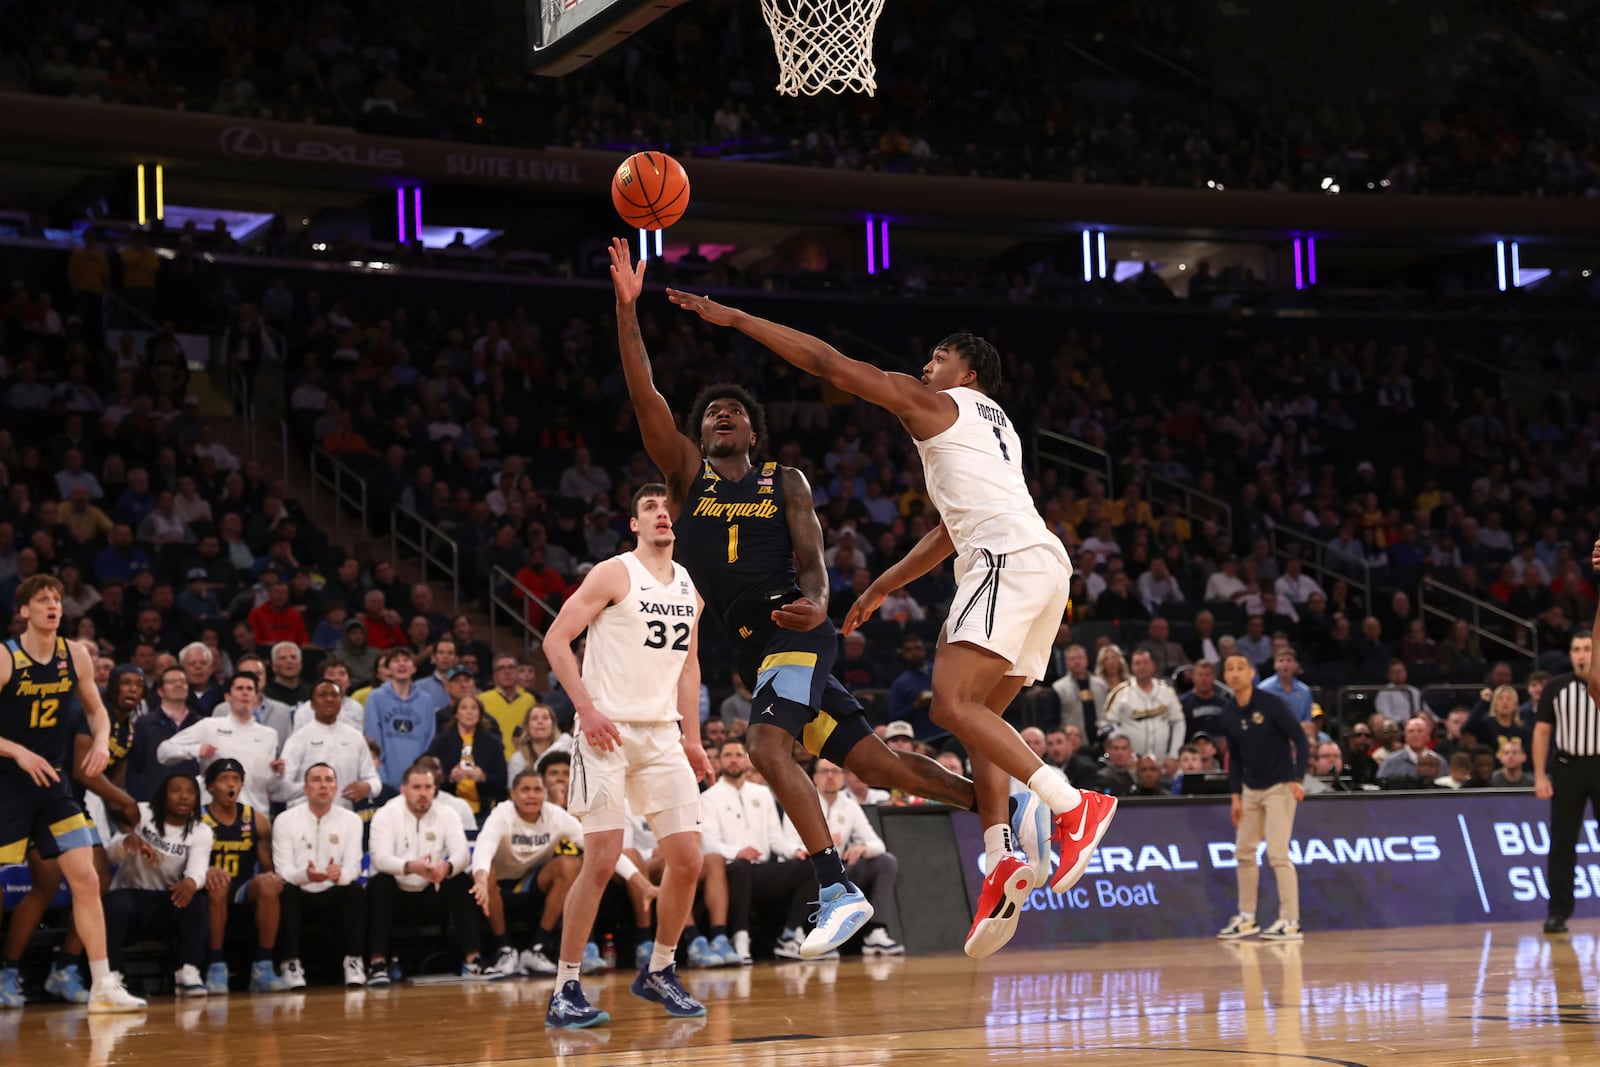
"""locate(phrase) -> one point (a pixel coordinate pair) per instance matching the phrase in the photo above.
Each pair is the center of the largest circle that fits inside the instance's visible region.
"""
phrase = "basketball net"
(823, 45)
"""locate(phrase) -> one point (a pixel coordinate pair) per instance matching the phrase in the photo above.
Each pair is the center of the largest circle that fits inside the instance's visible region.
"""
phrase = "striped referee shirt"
(1567, 706)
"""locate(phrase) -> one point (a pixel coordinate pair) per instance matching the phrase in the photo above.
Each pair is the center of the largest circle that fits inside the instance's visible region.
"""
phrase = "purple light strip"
(872, 255)
(1299, 278)
(1311, 261)
(400, 212)
(883, 243)
(416, 199)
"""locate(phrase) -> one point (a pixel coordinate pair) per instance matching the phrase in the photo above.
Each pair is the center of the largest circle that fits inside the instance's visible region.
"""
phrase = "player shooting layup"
(740, 530)
(1012, 586)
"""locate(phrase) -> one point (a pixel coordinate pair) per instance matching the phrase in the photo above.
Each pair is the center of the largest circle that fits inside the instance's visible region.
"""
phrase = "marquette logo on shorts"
(710, 507)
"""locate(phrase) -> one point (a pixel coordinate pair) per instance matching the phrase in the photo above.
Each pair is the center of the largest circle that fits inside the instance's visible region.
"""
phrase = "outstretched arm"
(670, 450)
(925, 555)
(923, 411)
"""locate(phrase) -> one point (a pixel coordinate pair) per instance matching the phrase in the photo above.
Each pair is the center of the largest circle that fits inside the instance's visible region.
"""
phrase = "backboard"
(563, 35)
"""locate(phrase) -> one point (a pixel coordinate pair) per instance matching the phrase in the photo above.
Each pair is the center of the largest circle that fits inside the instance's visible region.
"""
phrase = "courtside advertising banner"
(1167, 868)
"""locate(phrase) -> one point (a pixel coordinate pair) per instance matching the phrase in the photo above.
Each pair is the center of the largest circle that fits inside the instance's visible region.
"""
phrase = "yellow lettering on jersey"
(26, 688)
(711, 508)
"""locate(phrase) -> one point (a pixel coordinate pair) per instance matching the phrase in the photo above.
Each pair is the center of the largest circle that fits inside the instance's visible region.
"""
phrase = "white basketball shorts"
(647, 771)
(1011, 604)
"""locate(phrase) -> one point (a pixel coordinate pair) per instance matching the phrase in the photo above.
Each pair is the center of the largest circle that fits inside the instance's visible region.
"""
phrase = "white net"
(823, 45)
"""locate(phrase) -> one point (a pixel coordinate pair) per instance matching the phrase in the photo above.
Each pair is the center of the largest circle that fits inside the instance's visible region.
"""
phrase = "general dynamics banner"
(1166, 869)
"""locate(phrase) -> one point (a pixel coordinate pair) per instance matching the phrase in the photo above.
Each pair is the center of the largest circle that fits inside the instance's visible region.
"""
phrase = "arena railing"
(1197, 506)
(436, 550)
(1513, 635)
(1325, 563)
(348, 487)
(1073, 454)
(502, 583)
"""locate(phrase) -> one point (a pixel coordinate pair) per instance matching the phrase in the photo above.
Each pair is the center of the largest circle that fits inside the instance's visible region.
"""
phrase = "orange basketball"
(650, 190)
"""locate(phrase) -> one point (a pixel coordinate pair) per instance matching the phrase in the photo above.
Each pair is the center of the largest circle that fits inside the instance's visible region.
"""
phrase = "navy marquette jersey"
(36, 710)
(733, 539)
(233, 847)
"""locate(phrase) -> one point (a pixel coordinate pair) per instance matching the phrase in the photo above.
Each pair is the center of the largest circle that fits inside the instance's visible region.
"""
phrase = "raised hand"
(626, 279)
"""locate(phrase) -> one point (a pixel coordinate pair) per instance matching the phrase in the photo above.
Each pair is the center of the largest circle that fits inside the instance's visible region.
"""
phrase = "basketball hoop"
(823, 45)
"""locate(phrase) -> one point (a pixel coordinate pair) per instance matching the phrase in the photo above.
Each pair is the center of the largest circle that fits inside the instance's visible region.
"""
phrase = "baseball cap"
(455, 672)
(1198, 734)
(223, 766)
(900, 728)
(197, 574)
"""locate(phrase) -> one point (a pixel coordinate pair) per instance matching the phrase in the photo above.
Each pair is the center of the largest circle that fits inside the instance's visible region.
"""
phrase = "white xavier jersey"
(974, 475)
(637, 646)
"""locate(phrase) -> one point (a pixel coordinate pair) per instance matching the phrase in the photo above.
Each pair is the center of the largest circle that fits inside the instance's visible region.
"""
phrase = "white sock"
(99, 969)
(1248, 916)
(566, 972)
(997, 845)
(1053, 788)
(663, 956)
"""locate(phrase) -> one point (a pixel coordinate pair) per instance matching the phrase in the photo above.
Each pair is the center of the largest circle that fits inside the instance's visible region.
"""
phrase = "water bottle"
(609, 953)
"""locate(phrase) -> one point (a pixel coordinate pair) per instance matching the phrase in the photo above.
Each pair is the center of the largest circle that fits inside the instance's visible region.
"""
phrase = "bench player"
(1012, 579)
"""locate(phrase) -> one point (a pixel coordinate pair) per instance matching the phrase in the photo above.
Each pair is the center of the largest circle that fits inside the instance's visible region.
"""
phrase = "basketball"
(650, 190)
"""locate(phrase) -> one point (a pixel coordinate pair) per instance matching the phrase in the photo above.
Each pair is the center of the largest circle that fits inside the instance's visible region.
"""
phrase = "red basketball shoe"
(1077, 834)
(999, 906)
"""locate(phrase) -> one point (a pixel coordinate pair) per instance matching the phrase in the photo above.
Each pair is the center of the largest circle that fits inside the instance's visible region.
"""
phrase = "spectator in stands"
(1503, 724)
(1110, 668)
(742, 818)
(1203, 644)
(1416, 646)
(1147, 779)
(1483, 768)
(543, 582)
(583, 480)
(854, 669)
(1082, 695)
(1294, 587)
(1458, 774)
(1512, 775)
(316, 848)
(277, 715)
(1167, 654)
(1403, 762)
(912, 692)
(235, 735)
(420, 858)
(383, 625)
(325, 737)
(508, 704)
(400, 718)
(161, 867)
(1397, 700)
(555, 768)
(1204, 701)
(358, 656)
(1147, 713)
(1256, 644)
(1359, 761)
(471, 757)
(1120, 601)
(240, 871)
(1327, 763)
(276, 621)
(1158, 588)
(1116, 773)
(1286, 684)
(286, 686)
(537, 735)
(120, 558)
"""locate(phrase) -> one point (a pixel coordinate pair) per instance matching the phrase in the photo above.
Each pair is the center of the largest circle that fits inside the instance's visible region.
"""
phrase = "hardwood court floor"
(1434, 995)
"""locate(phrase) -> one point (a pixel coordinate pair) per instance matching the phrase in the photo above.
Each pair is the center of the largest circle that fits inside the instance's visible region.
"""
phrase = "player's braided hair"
(980, 356)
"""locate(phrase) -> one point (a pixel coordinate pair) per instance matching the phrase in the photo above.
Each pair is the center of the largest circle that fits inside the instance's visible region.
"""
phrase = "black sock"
(542, 938)
(264, 955)
(718, 931)
(502, 942)
(644, 933)
(11, 965)
(58, 960)
(213, 956)
(829, 868)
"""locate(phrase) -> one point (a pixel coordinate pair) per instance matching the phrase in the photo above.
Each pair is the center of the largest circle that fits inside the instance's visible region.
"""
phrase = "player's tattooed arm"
(675, 454)
(805, 532)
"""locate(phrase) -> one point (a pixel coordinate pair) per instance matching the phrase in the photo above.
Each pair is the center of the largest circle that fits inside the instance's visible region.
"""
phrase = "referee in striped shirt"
(1568, 712)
